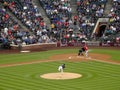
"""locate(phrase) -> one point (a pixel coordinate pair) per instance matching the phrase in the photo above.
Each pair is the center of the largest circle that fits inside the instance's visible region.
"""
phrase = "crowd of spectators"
(30, 16)
(63, 25)
(8, 28)
(60, 14)
(112, 32)
(88, 13)
(114, 16)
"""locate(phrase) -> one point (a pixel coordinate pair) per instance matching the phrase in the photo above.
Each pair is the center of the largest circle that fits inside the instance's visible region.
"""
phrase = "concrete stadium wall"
(43, 46)
(93, 44)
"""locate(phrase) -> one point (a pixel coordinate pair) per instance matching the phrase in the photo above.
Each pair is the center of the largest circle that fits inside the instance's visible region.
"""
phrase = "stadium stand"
(29, 15)
(112, 32)
(64, 26)
(88, 12)
(8, 28)
(59, 13)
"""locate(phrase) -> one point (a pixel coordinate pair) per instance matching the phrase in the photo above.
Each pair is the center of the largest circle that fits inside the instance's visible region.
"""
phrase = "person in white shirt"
(61, 68)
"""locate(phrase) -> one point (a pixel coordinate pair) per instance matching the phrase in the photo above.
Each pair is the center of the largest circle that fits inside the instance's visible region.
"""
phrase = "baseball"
(69, 58)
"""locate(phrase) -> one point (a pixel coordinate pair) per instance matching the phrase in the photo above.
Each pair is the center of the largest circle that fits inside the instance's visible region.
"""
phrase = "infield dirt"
(65, 57)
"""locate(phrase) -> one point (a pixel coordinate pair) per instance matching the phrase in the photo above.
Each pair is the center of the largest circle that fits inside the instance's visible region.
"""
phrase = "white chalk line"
(93, 59)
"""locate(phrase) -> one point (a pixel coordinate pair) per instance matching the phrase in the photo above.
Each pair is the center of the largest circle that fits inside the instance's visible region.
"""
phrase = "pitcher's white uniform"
(61, 67)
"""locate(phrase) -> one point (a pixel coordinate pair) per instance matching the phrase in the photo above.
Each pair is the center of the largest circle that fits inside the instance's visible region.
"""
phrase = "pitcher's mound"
(62, 76)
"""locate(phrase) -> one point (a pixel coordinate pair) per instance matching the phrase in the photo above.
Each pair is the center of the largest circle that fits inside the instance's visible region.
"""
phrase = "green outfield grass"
(96, 75)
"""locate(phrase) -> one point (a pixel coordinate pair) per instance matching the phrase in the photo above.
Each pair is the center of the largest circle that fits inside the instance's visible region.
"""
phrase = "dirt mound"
(61, 76)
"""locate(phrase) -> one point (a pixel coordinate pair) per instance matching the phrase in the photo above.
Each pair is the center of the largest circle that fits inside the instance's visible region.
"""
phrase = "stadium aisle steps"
(42, 11)
(108, 7)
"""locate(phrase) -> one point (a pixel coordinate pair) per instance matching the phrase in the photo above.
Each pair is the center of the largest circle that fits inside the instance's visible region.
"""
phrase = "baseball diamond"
(59, 44)
(25, 70)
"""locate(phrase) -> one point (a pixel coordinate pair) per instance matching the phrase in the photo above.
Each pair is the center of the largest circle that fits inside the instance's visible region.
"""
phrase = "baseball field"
(23, 71)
